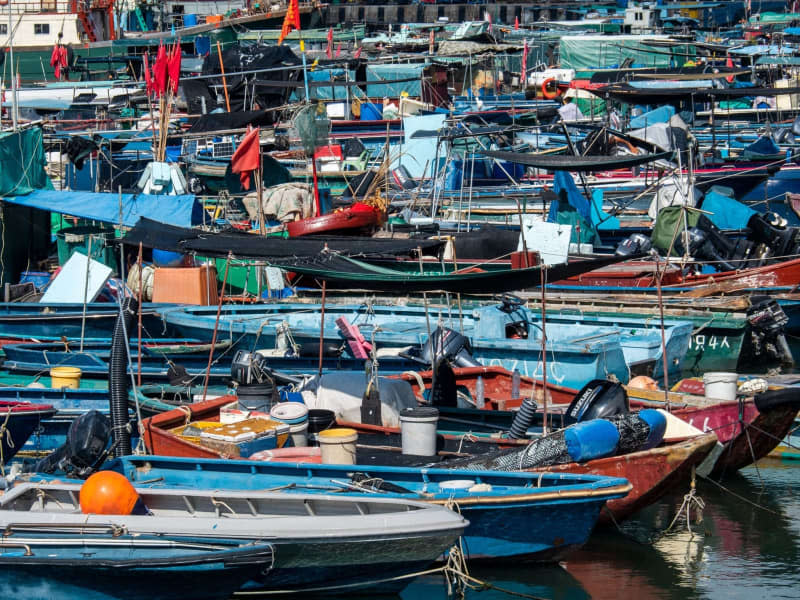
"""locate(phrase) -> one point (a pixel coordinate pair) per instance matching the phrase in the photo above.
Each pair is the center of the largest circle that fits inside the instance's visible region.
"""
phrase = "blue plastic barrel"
(189, 20)
(591, 439)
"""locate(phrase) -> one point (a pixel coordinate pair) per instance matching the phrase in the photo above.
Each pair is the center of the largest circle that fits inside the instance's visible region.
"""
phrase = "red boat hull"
(348, 220)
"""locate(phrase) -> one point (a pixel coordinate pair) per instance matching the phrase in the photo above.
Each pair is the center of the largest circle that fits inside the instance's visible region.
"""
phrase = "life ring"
(550, 94)
(3, 2)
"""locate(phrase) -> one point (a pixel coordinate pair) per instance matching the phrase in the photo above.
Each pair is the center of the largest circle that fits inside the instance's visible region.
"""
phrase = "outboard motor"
(767, 329)
(598, 399)
(638, 243)
(708, 243)
(249, 367)
(84, 451)
(446, 344)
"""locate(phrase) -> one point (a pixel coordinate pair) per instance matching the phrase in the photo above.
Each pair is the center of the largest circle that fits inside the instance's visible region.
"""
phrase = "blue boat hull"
(509, 521)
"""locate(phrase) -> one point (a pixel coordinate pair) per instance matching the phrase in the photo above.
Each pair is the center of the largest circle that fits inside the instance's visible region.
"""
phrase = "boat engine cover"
(598, 399)
(84, 450)
(449, 345)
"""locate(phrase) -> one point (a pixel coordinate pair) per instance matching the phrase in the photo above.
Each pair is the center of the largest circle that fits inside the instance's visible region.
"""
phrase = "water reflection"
(736, 550)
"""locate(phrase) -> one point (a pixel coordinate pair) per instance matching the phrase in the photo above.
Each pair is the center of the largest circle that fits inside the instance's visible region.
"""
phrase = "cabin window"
(3, 29)
(41, 28)
(49, 5)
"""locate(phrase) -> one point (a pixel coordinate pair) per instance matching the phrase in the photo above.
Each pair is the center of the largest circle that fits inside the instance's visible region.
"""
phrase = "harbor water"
(746, 546)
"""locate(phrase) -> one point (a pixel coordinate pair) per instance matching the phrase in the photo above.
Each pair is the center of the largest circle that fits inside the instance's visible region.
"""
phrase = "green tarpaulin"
(599, 51)
(22, 163)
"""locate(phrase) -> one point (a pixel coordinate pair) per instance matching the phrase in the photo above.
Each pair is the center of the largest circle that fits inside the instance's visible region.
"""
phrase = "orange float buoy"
(643, 382)
(108, 493)
(550, 89)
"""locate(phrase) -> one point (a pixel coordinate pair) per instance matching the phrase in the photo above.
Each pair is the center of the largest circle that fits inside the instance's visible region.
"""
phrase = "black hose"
(523, 419)
(118, 378)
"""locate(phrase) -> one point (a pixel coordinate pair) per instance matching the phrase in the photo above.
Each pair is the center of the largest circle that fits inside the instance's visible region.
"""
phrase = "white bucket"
(418, 430)
(720, 385)
(338, 446)
(299, 433)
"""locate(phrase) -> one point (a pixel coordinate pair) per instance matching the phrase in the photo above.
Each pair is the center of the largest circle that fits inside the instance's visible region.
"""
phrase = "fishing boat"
(266, 539)
(186, 363)
(651, 472)
(543, 518)
(507, 334)
(747, 429)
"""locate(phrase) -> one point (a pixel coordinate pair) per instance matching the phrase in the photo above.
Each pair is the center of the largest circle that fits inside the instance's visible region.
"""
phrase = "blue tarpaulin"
(183, 211)
(726, 213)
(659, 115)
(571, 208)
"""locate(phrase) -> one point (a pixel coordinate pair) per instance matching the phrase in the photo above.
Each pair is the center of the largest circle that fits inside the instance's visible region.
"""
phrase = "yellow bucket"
(338, 446)
(65, 377)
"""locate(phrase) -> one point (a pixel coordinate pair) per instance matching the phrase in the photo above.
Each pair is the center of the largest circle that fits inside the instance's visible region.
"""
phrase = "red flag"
(148, 76)
(516, 22)
(290, 21)
(358, 53)
(524, 70)
(160, 71)
(329, 49)
(338, 49)
(174, 68)
(58, 59)
(245, 159)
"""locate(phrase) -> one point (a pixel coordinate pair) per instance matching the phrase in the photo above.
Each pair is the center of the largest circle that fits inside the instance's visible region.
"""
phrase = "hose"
(523, 419)
(118, 378)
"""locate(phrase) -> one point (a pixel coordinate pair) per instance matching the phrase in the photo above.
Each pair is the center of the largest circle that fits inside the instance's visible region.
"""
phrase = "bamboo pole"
(224, 81)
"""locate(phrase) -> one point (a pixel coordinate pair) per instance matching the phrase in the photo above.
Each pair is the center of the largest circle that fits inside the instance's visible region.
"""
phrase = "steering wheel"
(509, 302)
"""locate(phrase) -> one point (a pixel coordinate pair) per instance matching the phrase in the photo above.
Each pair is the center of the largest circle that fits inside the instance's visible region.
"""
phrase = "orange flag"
(290, 21)
(245, 159)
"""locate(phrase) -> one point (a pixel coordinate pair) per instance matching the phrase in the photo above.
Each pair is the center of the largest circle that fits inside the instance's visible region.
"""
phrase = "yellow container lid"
(337, 432)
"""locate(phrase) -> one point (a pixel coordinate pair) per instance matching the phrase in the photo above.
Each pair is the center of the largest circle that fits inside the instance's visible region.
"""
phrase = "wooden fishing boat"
(189, 539)
(652, 473)
(747, 429)
(32, 321)
(168, 363)
(579, 348)
(544, 517)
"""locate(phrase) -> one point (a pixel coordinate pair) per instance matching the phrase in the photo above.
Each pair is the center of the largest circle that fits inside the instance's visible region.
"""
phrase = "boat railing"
(113, 529)
(38, 7)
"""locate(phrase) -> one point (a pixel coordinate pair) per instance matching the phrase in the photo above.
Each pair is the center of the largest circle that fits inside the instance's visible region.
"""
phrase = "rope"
(689, 500)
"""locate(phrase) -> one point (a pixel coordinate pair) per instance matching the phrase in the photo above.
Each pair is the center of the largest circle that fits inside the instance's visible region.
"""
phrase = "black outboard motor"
(449, 345)
(84, 451)
(708, 243)
(767, 329)
(638, 243)
(598, 399)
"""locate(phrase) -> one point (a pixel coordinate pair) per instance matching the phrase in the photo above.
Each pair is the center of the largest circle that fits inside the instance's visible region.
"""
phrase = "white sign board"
(70, 286)
(550, 240)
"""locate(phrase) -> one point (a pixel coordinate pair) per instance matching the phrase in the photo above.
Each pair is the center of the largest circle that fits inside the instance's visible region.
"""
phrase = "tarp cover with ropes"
(152, 234)
(349, 273)
(568, 162)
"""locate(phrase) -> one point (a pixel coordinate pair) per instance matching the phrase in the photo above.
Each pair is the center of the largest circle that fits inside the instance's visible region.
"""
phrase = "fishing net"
(552, 449)
(312, 126)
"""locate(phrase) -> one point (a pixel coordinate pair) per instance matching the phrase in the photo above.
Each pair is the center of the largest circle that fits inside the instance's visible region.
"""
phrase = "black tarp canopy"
(568, 162)
(152, 234)
(624, 92)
